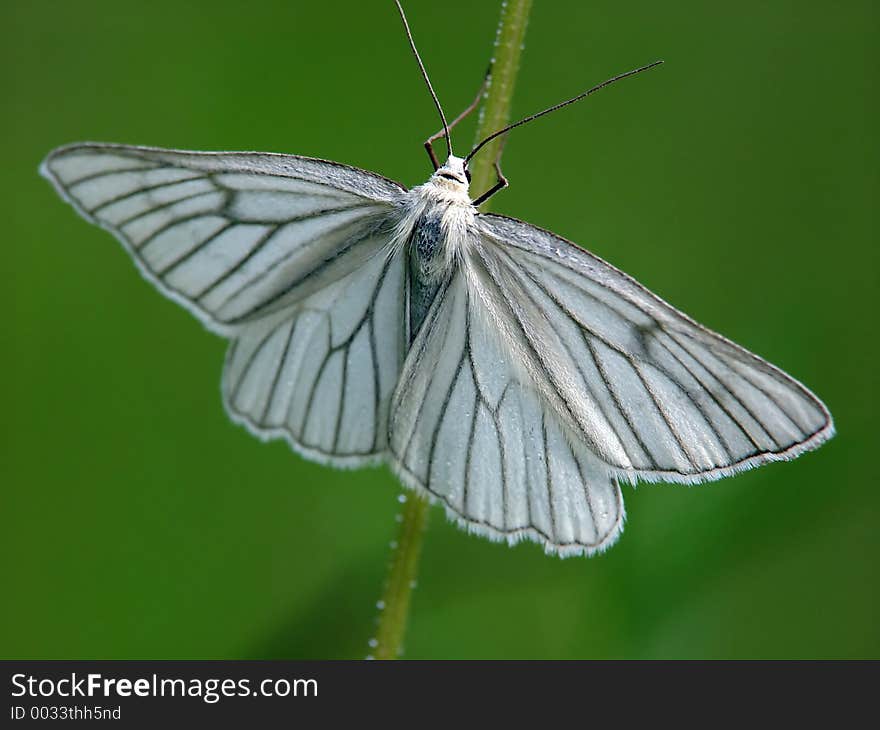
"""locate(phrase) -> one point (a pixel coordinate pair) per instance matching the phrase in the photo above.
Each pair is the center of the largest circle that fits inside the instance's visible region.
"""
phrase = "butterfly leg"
(429, 143)
(502, 181)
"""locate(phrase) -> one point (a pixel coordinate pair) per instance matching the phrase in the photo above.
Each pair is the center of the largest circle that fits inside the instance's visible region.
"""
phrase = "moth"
(497, 368)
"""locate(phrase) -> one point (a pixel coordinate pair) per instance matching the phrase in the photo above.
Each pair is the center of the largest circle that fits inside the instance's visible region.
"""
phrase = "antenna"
(553, 108)
(412, 44)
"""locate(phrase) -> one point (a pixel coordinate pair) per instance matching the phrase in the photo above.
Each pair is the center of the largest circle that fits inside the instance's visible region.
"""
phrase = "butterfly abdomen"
(425, 265)
(438, 229)
(426, 241)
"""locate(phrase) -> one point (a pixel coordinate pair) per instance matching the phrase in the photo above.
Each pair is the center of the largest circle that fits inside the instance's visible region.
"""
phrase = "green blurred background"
(739, 181)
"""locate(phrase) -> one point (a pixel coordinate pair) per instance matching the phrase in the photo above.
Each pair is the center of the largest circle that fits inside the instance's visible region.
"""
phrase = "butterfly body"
(437, 222)
(497, 368)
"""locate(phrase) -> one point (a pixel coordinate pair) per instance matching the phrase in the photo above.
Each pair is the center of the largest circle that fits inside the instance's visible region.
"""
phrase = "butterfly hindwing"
(322, 376)
(467, 429)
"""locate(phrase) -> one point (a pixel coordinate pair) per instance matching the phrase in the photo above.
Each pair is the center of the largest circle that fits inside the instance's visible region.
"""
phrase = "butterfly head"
(453, 174)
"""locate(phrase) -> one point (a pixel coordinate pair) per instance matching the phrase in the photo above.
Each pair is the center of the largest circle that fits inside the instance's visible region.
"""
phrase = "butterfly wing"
(656, 395)
(469, 430)
(230, 236)
(288, 256)
(322, 375)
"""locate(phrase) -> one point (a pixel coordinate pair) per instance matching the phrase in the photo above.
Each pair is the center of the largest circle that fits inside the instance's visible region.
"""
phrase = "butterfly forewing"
(656, 395)
(231, 236)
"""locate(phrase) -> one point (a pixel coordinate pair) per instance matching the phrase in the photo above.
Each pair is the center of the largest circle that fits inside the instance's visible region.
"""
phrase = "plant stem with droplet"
(394, 604)
(494, 114)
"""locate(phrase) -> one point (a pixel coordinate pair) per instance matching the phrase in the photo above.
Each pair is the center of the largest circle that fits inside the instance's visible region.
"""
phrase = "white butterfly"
(496, 367)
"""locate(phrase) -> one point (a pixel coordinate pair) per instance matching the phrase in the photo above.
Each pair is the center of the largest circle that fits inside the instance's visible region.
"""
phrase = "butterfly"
(496, 367)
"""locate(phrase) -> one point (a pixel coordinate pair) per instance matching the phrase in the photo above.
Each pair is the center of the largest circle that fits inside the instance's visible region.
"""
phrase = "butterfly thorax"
(437, 224)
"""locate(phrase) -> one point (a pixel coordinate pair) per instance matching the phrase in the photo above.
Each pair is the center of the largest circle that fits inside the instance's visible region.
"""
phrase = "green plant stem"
(404, 567)
(495, 112)
(394, 604)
